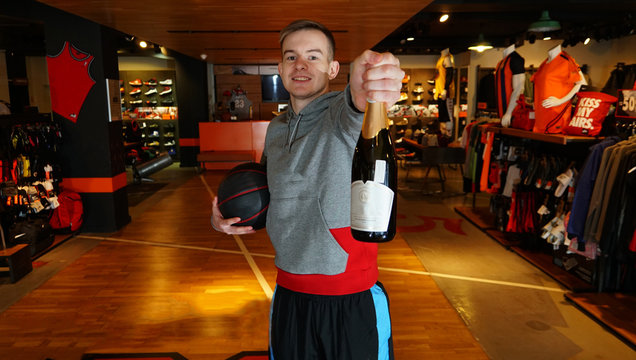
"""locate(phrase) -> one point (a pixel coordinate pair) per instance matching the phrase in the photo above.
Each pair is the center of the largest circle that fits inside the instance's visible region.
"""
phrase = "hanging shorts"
(307, 326)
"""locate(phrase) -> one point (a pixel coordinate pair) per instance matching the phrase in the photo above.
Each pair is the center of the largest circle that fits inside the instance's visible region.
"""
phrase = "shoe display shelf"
(160, 135)
(148, 94)
(149, 98)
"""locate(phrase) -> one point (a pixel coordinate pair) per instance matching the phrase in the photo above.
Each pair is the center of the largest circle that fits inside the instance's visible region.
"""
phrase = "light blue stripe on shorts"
(383, 321)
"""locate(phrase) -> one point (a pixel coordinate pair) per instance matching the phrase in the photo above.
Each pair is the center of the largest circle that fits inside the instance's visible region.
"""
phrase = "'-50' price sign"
(626, 106)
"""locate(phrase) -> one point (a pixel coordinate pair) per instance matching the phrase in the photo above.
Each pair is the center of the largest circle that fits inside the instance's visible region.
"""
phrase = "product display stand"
(615, 311)
(484, 220)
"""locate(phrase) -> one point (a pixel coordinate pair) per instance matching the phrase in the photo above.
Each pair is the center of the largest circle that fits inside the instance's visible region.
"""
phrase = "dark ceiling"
(504, 22)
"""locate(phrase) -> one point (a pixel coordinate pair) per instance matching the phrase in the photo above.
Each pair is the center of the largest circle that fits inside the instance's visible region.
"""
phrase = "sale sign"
(626, 106)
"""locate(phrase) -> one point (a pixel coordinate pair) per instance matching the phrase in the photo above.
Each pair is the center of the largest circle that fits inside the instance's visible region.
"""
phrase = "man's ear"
(280, 67)
(334, 68)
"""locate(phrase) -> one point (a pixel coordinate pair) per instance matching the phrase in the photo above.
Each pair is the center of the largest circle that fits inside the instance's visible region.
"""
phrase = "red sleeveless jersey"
(69, 80)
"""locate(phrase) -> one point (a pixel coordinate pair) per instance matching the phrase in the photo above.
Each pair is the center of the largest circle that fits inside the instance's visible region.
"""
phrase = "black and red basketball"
(244, 193)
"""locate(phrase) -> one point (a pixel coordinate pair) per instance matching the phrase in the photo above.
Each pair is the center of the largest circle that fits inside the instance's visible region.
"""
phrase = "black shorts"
(306, 326)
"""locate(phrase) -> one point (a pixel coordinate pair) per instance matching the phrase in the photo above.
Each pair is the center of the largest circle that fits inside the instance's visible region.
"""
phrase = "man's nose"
(300, 64)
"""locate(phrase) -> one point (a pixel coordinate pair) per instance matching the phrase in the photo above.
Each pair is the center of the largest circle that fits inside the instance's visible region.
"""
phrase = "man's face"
(306, 68)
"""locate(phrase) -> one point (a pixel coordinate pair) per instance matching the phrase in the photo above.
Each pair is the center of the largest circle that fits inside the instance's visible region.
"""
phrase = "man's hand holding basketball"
(225, 225)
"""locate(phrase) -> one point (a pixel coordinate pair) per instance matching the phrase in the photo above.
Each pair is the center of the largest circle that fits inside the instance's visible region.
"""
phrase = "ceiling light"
(143, 44)
(481, 45)
(547, 38)
(544, 24)
(443, 18)
(410, 38)
(203, 56)
(587, 41)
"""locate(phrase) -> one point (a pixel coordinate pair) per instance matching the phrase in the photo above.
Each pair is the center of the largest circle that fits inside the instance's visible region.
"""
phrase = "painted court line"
(251, 255)
(468, 278)
(248, 257)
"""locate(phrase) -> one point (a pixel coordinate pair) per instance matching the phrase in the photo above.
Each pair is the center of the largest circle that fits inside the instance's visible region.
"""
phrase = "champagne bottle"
(374, 179)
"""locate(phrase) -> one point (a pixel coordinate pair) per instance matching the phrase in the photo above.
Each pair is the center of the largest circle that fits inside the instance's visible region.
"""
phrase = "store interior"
(488, 208)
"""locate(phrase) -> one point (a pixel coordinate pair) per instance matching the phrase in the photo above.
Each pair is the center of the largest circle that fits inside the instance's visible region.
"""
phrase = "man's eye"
(313, 58)
(291, 58)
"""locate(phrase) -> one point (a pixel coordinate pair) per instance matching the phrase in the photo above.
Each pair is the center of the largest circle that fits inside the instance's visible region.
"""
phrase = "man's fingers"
(385, 71)
(373, 58)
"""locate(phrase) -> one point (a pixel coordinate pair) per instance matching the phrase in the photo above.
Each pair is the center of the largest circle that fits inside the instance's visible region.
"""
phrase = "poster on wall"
(626, 106)
(114, 100)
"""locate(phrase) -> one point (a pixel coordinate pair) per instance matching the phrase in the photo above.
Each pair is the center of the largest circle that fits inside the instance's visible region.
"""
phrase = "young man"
(328, 303)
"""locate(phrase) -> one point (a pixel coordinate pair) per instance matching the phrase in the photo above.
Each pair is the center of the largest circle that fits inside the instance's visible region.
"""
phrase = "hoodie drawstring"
(292, 138)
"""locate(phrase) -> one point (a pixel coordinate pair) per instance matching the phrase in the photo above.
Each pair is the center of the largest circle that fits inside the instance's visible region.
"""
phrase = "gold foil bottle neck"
(375, 119)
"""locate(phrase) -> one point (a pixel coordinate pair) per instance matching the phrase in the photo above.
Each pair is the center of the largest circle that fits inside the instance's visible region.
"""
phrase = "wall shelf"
(549, 138)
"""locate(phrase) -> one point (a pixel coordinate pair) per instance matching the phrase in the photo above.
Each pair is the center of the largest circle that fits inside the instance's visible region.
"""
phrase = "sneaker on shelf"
(172, 151)
(135, 92)
(169, 101)
(169, 143)
(166, 82)
(152, 103)
(151, 91)
(136, 102)
(167, 90)
(143, 125)
(154, 134)
(154, 126)
(154, 143)
(151, 82)
(136, 82)
(122, 90)
(168, 135)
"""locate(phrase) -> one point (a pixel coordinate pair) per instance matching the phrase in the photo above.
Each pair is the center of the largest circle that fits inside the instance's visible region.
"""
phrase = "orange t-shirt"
(555, 78)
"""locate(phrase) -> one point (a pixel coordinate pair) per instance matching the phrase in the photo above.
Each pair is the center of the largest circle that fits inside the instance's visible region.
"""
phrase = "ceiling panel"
(244, 32)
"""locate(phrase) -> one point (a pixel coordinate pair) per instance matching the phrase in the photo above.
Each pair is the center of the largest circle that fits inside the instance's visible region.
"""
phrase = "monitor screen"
(272, 89)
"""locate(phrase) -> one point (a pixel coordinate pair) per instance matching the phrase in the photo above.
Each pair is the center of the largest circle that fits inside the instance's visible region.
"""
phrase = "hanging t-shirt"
(69, 80)
(507, 67)
(554, 78)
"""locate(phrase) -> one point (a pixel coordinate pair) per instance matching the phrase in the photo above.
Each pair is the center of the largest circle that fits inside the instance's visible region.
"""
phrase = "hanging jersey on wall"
(554, 78)
(507, 67)
(69, 80)
(240, 105)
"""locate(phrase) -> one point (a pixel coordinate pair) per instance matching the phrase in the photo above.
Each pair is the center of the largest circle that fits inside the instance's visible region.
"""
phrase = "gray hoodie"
(308, 158)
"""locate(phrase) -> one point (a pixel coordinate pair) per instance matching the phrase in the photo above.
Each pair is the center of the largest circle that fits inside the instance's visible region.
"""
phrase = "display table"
(224, 145)
(433, 157)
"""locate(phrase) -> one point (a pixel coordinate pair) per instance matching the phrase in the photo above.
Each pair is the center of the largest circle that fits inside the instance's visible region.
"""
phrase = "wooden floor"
(168, 283)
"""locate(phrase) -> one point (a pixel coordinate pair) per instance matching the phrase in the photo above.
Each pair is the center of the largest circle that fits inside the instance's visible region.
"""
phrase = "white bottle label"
(371, 204)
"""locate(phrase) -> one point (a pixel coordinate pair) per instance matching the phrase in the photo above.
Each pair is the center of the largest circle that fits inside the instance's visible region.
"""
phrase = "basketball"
(244, 193)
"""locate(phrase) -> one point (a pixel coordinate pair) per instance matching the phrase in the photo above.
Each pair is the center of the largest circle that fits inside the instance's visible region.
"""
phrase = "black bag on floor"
(37, 233)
